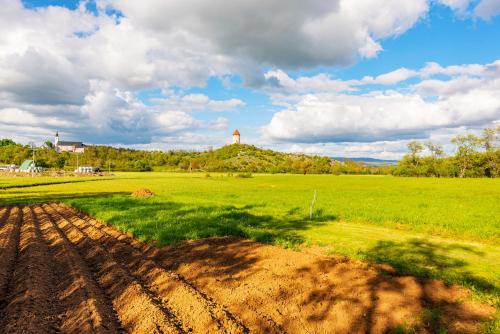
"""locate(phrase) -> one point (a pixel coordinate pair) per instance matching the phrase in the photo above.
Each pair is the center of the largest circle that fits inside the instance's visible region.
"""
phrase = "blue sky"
(335, 78)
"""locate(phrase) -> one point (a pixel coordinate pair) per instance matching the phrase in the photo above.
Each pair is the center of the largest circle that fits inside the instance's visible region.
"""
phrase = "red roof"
(236, 133)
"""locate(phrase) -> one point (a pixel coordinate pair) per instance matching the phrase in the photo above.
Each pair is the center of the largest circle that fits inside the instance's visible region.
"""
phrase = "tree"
(491, 138)
(60, 162)
(490, 141)
(435, 149)
(48, 144)
(6, 142)
(415, 148)
(437, 152)
(466, 147)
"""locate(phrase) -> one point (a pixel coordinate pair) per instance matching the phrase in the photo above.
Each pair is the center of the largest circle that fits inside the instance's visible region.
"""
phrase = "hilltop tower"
(236, 137)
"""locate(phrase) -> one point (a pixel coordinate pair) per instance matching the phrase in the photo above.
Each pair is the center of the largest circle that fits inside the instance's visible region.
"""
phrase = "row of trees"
(103, 157)
(230, 158)
(475, 156)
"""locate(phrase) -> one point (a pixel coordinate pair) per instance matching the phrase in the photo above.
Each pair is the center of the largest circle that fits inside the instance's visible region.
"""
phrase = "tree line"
(475, 156)
(230, 158)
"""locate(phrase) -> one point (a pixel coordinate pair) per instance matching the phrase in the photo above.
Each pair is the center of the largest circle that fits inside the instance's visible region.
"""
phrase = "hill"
(241, 158)
(369, 161)
(248, 158)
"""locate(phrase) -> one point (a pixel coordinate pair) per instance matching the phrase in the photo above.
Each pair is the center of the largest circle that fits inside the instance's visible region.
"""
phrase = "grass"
(442, 228)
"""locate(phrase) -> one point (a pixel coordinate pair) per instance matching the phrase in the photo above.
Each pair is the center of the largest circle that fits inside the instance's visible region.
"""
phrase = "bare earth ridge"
(63, 271)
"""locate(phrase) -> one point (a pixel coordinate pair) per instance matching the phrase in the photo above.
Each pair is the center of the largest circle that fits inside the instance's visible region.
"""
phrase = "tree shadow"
(428, 259)
(48, 183)
(23, 198)
(364, 300)
(305, 293)
(168, 222)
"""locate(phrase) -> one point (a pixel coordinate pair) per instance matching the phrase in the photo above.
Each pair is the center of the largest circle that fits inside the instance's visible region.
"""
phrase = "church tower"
(56, 140)
(236, 137)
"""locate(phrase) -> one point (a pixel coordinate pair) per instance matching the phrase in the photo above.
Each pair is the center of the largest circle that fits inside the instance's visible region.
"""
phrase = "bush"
(244, 175)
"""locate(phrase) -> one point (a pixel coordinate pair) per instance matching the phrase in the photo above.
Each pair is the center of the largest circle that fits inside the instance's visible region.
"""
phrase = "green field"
(430, 227)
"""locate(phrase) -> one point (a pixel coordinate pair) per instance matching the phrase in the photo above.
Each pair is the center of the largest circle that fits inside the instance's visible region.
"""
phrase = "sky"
(338, 78)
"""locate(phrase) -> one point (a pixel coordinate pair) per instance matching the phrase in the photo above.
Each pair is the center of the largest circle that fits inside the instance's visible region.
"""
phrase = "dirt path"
(64, 272)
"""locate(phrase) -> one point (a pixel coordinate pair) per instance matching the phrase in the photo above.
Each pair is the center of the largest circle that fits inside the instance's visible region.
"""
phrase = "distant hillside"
(248, 158)
(475, 157)
(229, 158)
(369, 161)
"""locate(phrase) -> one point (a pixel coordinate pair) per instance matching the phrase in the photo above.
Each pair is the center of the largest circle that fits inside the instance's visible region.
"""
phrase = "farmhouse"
(29, 166)
(8, 168)
(68, 146)
(86, 170)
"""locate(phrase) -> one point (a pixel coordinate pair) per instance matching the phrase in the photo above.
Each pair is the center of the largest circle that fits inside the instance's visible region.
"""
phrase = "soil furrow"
(85, 305)
(146, 251)
(9, 239)
(62, 271)
(180, 296)
(32, 307)
(266, 322)
(137, 310)
(4, 215)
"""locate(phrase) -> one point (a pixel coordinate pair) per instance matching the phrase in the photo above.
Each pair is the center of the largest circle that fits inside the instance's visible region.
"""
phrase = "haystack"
(142, 192)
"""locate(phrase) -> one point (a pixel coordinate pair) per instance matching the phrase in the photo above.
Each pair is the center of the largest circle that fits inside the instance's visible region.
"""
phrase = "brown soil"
(65, 272)
(142, 192)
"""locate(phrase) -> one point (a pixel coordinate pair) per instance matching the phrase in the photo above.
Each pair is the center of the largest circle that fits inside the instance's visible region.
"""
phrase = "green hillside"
(229, 158)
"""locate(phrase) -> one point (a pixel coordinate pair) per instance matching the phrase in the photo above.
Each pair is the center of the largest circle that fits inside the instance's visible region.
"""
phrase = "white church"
(68, 146)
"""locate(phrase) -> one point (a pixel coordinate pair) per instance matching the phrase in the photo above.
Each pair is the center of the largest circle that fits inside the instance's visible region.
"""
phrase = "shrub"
(244, 175)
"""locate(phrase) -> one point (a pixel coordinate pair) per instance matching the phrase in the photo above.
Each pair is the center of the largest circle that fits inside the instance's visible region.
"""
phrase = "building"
(85, 170)
(8, 168)
(68, 146)
(29, 166)
(236, 137)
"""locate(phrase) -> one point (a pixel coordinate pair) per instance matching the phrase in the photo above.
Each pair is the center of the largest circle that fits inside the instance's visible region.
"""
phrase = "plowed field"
(64, 272)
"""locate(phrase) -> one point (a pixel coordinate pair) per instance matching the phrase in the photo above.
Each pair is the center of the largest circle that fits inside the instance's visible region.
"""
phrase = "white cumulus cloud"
(431, 104)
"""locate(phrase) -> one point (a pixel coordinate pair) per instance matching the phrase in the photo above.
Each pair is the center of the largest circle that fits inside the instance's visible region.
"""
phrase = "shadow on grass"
(28, 198)
(427, 259)
(48, 183)
(169, 222)
(326, 294)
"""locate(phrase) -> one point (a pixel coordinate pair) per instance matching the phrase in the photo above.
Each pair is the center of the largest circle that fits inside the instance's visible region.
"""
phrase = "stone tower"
(236, 137)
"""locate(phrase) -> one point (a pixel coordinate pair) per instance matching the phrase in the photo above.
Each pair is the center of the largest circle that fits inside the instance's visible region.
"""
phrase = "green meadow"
(429, 227)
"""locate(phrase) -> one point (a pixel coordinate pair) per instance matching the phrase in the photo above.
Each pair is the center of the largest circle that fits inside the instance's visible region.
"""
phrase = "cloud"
(278, 80)
(173, 121)
(486, 9)
(64, 49)
(38, 77)
(298, 34)
(197, 102)
(417, 110)
(110, 115)
(220, 123)
(441, 88)
(391, 78)
(457, 5)
(80, 71)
